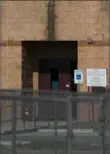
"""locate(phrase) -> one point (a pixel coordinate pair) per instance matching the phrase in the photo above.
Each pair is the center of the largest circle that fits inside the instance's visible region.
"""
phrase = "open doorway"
(54, 62)
(73, 66)
(38, 55)
(57, 73)
(54, 78)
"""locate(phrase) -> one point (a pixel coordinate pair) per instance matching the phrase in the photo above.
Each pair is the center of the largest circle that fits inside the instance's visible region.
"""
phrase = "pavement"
(20, 125)
(50, 152)
(82, 138)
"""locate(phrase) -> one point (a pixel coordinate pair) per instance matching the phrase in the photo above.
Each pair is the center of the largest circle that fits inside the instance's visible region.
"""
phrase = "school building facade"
(46, 40)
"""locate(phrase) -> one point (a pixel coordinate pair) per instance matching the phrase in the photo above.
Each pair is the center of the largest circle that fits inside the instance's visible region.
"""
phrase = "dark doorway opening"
(98, 90)
(73, 66)
(54, 78)
(54, 75)
(54, 61)
(36, 52)
(57, 71)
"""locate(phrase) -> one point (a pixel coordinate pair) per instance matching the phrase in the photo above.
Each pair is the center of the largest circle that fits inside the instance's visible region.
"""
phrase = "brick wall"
(23, 20)
(75, 20)
(10, 67)
(79, 20)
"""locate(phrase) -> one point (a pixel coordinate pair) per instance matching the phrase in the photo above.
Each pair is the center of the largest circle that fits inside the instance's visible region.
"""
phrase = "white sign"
(78, 76)
(97, 77)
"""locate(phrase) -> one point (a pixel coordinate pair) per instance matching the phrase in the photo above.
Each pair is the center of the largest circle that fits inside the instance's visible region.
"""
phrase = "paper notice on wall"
(96, 77)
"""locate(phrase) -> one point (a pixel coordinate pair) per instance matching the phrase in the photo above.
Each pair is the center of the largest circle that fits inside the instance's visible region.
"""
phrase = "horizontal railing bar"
(53, 92)
(29, 98)
(47, 98)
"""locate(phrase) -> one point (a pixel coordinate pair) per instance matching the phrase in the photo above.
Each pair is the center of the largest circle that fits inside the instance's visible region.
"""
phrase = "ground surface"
(43, 141)
(51, 152)
(46, 143)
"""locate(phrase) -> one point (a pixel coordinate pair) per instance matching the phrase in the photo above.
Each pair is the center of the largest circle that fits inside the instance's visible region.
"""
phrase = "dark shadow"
(42, 56)
(99, 90)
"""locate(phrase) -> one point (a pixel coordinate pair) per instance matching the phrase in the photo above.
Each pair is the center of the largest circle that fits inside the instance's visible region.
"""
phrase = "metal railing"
(52, 122)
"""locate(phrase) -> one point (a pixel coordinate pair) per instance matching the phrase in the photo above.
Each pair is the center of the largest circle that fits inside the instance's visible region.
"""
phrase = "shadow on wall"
(99, 89)
(105, 5)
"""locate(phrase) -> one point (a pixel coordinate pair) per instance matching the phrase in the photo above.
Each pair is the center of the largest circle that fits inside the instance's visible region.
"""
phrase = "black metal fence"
(53, 122)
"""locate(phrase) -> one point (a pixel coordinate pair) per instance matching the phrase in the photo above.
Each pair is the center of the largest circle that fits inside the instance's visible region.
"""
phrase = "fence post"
(102, 124)
(13, 127)
(0, 123)
(55, 125)
(69, 131)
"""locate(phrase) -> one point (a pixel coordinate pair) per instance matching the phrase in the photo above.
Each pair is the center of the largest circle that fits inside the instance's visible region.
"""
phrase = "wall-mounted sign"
(96, 77)
(78, 76)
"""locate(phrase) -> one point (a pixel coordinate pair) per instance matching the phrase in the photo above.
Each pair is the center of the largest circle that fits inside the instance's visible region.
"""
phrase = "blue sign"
(78, 76)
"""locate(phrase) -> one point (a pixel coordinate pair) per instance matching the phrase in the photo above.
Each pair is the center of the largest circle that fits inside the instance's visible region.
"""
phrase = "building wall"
(75, 20)
(20, 20)
(10, 67)
(23, 20)
(80, 20)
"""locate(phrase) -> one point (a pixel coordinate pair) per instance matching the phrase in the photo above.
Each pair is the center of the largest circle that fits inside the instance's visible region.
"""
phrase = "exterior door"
(44, 81)
(64, 75)
(44, 85)
(64, 79)
(48, 80)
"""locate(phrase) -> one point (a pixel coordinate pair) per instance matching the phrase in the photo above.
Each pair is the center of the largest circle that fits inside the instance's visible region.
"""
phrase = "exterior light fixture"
(89, 41)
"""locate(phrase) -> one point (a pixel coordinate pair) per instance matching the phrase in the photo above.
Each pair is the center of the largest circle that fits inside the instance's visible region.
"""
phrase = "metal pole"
(69, 132)
(78, 107)
(109, 74)
(0, 69)
(102, 125)
(34, 108)
(1, 41)
(55, 125)
(14, 127)
(0, 122)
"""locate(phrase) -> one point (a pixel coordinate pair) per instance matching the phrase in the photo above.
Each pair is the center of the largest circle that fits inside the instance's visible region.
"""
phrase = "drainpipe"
(51, 20)
(52, 37)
